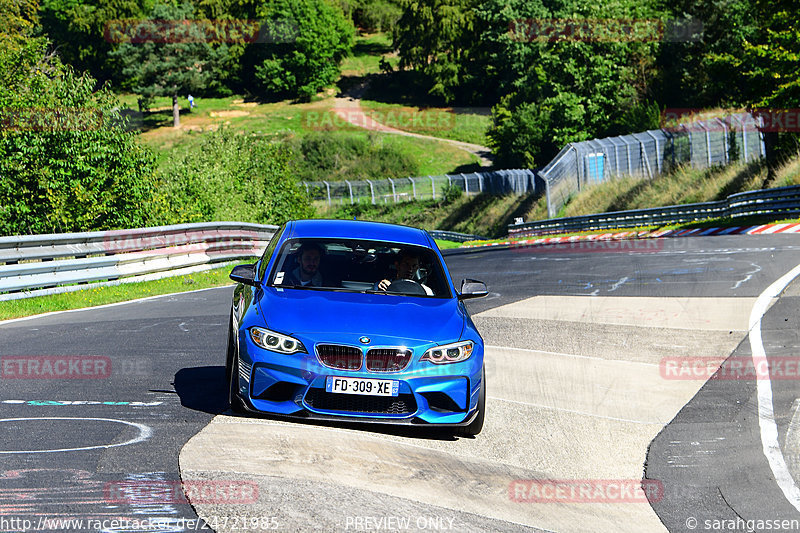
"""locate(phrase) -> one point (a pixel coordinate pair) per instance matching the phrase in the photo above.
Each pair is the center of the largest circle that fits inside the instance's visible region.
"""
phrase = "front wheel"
(475, 427)
(232, 373)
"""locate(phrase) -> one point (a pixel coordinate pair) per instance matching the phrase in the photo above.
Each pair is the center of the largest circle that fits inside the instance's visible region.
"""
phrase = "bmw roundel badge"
(364, 340)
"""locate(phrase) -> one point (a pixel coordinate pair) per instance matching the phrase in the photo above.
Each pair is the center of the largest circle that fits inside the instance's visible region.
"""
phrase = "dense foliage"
(67, 162)
(343, 155)
(171, 59)
(232, 177)
(588, 79)
(307, 39)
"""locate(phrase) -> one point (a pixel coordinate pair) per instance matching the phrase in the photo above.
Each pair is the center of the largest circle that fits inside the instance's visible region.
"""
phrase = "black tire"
(475, 427)
(232, 373)
(231, 349)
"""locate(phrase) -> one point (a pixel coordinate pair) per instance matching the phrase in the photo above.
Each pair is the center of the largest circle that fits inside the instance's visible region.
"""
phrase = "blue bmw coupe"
(355, 321)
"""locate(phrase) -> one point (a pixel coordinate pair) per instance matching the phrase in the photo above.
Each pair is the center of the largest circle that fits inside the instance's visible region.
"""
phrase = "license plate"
(368, 387)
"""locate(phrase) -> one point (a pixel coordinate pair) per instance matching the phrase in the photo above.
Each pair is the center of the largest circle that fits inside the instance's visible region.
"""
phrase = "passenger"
(406, 265)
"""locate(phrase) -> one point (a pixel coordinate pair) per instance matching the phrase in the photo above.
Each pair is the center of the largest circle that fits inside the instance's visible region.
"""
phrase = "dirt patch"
(245, 104)
(224, 114)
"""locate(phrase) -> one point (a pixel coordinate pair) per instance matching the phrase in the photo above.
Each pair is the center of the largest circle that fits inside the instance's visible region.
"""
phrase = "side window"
(265, 257)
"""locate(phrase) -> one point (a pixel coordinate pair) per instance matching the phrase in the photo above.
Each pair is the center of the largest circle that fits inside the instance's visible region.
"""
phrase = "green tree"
(563, 89)
(78, 31)
(17, 19)
(168, 59)
(436, 38)
(689, 76)
(306, 41)
(767, 63)
(67, 162)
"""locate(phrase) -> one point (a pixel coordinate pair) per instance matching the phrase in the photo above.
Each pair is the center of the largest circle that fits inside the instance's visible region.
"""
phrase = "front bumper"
(294, 385)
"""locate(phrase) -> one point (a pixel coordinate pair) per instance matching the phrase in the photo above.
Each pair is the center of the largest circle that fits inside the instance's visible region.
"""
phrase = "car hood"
(294, 311)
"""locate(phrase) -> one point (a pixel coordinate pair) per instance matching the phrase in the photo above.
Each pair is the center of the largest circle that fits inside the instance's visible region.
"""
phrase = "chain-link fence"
(700, 144)
(393, 190)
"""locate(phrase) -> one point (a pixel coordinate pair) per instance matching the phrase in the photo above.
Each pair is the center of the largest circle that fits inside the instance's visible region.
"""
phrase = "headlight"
(276, 342)
(449, 353)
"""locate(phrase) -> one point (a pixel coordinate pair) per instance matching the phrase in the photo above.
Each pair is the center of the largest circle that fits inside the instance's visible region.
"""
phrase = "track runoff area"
(649, 389)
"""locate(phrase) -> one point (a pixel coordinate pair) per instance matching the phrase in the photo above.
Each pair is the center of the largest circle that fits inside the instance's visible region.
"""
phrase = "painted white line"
(145, 432)
(9, 321)
(583, 413)
(766, 413)
(592, 357)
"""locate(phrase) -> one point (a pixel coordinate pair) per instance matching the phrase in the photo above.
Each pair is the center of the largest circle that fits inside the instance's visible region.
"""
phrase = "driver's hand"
(384, 284)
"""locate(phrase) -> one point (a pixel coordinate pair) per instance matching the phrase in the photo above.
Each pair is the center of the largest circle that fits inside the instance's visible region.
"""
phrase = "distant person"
(191, 101)
(406, 265)
(309, 256)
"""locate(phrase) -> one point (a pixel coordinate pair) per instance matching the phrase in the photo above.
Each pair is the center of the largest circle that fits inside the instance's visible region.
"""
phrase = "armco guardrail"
(33, 265)
(453, 236)
(778, 201)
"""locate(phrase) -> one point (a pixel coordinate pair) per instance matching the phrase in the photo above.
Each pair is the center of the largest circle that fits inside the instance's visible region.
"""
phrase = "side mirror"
(472, 288)
(244, 274)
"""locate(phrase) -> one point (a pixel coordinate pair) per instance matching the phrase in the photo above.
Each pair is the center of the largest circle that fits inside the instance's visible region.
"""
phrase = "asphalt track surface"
(575, 336)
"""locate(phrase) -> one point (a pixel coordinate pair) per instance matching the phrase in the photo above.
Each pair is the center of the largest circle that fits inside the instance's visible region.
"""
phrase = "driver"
(406, 265)
(307, 273)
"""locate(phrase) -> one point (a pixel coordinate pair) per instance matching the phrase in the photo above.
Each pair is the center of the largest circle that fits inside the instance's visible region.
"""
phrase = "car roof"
(356, 229)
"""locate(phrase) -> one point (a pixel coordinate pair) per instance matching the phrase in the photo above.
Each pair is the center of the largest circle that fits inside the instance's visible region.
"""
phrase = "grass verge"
(93, 296)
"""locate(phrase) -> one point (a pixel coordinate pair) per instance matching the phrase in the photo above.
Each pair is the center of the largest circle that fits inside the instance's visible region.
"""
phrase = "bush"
(232, 177)
(67, 162)
(531, 134)
(343, 155)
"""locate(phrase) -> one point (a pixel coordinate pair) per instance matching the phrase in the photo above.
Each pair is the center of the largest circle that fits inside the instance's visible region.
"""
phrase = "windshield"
(360, 266)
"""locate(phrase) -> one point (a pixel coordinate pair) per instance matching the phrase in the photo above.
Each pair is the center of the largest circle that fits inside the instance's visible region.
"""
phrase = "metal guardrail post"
(744, 139)
(350, 188)
(691, 145)
(708, 142)
(726, 148)
(371, 191)
(658, 152)
(643, 156)
(433, 187)
(466, 184)
(328, 188)
(413, 187)
(394, 192)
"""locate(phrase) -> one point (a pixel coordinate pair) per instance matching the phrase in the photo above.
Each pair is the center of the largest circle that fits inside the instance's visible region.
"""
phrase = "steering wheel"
(406, 286)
